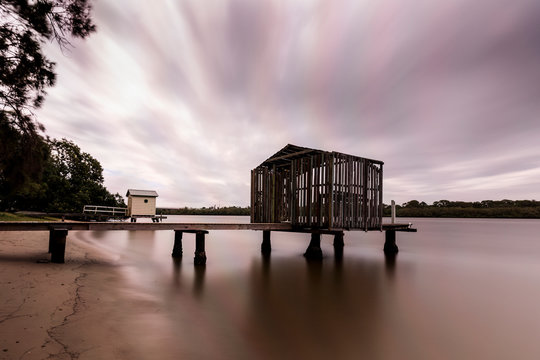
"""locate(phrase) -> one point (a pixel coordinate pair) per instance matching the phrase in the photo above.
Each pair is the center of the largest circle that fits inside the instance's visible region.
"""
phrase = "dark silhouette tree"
(25, 72)
(69, 179)
(23, 158)
(25, 75)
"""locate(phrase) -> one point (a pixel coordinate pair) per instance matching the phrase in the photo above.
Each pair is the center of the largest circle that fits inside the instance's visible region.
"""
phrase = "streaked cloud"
(186, 97)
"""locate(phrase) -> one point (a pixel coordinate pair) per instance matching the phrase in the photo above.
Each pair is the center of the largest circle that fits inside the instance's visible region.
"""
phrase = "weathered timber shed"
(141, 202)
(318, 189)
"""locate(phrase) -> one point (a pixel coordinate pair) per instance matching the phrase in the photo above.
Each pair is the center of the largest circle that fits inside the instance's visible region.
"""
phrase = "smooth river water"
(458, 289)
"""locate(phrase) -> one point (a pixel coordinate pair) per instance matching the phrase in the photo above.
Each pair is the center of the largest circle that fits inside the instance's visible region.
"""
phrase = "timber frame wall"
(318, 189)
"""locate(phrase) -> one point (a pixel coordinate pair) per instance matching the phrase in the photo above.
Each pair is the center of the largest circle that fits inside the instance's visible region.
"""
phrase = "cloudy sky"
(186, 97)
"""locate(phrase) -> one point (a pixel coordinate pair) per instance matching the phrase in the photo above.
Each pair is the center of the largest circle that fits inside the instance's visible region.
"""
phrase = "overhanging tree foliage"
(25, 75)
(25, 72)
(22, 160)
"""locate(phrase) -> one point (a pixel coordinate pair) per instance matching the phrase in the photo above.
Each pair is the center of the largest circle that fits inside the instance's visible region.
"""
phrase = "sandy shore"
(76, 310)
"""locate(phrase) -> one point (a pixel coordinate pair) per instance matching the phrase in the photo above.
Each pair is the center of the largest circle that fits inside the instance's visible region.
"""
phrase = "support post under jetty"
(314, 252)
(57, 245)
(338, 245)
(58, 232)
(390, 246)
(177, 247)
(200, 252)
(266, 246)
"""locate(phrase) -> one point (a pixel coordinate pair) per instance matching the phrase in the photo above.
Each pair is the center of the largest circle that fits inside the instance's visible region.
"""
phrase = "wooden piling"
(200, 252)
(314, 252)
(338, 245)
(338, 240)
(50, 241)
(57, 244)
(390, 246)
(177, 247)
(266, 246)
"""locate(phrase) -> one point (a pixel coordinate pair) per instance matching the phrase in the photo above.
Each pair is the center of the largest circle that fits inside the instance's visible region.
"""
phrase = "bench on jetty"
(58, 232)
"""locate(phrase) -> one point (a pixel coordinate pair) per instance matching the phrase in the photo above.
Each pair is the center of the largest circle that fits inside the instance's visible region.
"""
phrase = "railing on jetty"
(104, 210)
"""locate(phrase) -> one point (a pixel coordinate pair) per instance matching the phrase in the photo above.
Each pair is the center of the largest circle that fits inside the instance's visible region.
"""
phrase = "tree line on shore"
(414, 208)
(212, 210)
(462, 209)
(55, 176)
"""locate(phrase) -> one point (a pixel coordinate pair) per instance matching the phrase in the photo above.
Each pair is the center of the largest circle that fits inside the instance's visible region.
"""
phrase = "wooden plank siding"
(318, 189)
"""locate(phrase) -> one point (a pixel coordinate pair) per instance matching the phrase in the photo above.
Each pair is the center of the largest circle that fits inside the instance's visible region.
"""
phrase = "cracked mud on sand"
(74, 310)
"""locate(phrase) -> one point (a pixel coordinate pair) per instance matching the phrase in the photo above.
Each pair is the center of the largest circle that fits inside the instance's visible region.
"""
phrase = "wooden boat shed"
(318, 189)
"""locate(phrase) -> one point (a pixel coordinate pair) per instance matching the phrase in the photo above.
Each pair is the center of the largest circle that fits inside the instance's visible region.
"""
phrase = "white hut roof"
(146, 193)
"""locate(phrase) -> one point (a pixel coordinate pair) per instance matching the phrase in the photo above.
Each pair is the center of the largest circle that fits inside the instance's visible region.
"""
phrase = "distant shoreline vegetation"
(523, 209)
(213, 210)
(519, 209)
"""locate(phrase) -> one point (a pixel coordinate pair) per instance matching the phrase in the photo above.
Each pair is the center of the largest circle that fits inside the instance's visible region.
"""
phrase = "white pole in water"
(393, 211)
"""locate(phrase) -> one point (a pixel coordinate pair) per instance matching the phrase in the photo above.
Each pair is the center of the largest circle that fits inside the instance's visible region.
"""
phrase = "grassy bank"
(6, 216)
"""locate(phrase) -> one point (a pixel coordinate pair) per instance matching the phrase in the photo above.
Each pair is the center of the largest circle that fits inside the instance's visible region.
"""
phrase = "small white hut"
(141, 203)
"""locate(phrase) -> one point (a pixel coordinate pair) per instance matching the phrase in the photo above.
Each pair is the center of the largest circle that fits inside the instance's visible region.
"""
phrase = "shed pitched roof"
(291, 152)
(147, 193)
(288, 153)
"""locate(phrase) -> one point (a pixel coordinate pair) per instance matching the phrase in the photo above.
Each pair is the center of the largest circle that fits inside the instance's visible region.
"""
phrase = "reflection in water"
(460, 290)
(197, 276)
(147, 236)
(390, 262)
(265, 272)
(306, 313)
(198, 281)
(314, 270)
(338, 253)
(100, 234)
(177, 267)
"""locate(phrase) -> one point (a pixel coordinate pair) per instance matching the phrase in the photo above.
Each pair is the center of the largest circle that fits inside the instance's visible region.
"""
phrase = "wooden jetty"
(58, 232)
(297, 189)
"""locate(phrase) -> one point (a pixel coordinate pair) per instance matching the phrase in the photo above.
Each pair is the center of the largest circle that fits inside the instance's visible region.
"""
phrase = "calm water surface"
(459, 289)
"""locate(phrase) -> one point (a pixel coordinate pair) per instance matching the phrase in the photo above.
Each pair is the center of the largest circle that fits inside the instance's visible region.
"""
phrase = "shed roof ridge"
(291, 151)
(284, 151)
(138, 192)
